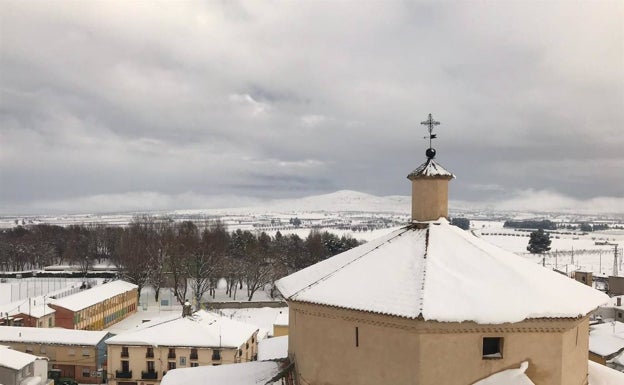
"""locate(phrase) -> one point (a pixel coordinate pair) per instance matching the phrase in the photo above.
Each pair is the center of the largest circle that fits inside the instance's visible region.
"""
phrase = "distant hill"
(339, 201)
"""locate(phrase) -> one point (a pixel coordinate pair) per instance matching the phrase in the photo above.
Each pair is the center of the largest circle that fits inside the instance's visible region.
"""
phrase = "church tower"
(430, 184)
(431, 304)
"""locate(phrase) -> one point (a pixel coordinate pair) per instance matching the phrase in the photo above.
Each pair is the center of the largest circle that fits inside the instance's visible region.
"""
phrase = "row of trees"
(162, 253)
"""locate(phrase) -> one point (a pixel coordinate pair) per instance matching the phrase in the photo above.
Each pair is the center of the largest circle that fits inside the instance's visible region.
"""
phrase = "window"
(619, 315)
(86, 372)
(194, 364)
(71, 352)
(193, 354)
(182, 361)
(149, 353)
(171, 353)
(42, 349)
(150, 366)
(492, 347)
(171, 365)
(357, 336)
(124, 351)
(29, 349)
(216, 355)
(86, 353)
(49, 322)
(125, 366)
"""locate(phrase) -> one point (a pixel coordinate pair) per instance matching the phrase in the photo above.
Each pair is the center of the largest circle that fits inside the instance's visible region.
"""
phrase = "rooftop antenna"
(430, 123)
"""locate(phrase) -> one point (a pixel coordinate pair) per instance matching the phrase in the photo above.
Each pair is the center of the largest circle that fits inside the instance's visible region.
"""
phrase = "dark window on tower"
(492, 347)
(357, 336)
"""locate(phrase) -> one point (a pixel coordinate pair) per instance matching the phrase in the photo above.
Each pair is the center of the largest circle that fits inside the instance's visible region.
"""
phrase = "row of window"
(216, 353)
(105, 306)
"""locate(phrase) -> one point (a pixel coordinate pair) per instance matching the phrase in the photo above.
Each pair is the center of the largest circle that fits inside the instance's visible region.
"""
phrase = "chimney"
(430, 184)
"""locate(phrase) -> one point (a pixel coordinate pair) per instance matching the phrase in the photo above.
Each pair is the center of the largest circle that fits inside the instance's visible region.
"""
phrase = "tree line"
(187, 257)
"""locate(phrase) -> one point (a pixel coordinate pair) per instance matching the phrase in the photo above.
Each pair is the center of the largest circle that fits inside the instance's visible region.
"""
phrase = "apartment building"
(78, 354)
(145, 355)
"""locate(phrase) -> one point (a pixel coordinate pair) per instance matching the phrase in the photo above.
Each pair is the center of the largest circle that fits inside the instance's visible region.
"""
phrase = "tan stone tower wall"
(429, 198)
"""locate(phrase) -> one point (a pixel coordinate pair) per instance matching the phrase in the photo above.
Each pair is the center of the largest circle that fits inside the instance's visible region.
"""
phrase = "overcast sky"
(142, 105)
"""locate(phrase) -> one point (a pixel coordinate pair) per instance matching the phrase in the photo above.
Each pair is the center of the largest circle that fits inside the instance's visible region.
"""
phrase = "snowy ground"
(569, 252)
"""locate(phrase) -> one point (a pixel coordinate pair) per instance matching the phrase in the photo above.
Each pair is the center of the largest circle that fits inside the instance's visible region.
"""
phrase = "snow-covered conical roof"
(439, 272)
(431, 169)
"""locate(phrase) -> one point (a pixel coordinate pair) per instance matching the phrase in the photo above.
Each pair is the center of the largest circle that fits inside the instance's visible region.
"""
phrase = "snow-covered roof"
(598, 375)
(602, 375)
(281, 319)
(607, 338)
(430, 168)
(273, 348)
(36, 309)
(508, 377)
(439, 272)
(249, 373)
(97, 294)
(56, 336)
(202, 329)
(15, 360)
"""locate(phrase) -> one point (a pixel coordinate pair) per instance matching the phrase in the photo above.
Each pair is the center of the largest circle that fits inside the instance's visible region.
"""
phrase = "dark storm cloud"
(164, 105)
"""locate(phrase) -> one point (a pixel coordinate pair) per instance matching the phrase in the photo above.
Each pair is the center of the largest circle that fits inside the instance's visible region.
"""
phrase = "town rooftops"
(97, 294)
(606, 339)
(15, 360)
(202, 329)
(438, 272)
(53, 336)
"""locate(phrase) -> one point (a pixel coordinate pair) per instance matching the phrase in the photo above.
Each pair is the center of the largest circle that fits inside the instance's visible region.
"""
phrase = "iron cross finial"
(430, 123)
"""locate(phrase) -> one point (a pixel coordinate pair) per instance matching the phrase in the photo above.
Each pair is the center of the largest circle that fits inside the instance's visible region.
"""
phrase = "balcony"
(124, 354)
(193, 356)
(149, 354)
(149, 375)
(171, 355)
(123, 374)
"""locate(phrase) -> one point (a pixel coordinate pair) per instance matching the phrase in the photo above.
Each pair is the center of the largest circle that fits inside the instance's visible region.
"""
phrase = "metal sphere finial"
(431, 153)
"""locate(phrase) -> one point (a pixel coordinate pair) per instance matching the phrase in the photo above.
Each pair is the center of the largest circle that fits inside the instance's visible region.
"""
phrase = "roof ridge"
(405, 229)
(423, 274)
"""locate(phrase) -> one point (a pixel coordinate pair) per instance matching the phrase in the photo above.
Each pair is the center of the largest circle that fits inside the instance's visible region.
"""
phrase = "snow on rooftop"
(282, 318)
(607, 338)
(273, 348)
(431, 169)
(602, 375)
(440, 273)
(36, 308)
(56, 336)
(249, 373)
(97, 294)
(598, 375)
(508, 377)
(202, 329)
(15, 360)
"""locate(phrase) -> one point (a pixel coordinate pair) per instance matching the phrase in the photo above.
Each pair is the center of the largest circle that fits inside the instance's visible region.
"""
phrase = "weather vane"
(430, 123)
